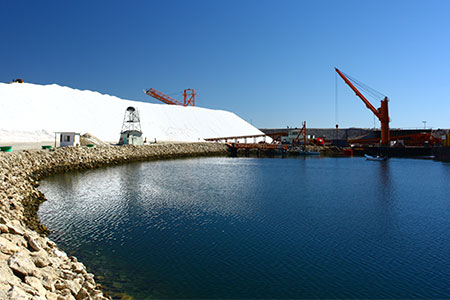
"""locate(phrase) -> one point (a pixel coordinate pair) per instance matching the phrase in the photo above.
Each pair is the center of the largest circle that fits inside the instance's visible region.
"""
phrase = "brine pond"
(258, 228)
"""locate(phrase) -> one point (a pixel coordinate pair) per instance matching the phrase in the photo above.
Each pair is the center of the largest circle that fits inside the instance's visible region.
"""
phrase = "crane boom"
(189, 97)
(358, 93)
(381, 113)
(162, 97)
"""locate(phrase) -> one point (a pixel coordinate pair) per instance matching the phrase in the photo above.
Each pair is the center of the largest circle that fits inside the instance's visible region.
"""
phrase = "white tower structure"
(131, 133)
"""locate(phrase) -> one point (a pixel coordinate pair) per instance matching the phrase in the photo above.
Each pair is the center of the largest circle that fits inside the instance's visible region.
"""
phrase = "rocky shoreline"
(31, 265)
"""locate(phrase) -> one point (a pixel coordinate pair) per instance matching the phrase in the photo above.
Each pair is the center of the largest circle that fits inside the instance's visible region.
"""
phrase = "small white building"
(131, 137)
(68, 139)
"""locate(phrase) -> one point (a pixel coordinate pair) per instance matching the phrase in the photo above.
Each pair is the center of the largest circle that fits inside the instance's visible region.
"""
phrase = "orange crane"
(381, 113)
(189, 97)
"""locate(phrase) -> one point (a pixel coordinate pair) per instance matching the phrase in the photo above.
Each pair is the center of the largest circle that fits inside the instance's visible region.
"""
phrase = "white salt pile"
(32, 113)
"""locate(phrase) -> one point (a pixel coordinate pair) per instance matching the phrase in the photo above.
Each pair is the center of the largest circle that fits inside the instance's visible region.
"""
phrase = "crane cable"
(336, 99)
(336, 114)
(174, 94)
(181, 93)
(367, 89)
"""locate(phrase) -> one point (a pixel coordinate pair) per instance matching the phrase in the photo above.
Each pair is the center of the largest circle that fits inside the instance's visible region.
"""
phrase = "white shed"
(68, 139)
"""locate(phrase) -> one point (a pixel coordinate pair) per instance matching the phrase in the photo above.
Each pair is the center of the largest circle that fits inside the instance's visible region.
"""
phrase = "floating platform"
(256, 149)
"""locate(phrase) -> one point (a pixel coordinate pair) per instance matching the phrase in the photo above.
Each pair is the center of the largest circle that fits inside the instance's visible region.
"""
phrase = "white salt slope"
(32, 112)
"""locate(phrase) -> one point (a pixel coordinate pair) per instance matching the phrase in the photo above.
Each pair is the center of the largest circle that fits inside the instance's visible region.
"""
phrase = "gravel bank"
(31, 265)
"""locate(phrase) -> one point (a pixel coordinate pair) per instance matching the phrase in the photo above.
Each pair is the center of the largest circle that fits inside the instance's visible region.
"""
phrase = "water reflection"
(178, 188)
(259, 228)
(385, 182)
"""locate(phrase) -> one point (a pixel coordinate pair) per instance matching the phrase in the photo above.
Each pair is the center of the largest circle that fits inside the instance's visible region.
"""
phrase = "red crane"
(381, 113)
(189, 97)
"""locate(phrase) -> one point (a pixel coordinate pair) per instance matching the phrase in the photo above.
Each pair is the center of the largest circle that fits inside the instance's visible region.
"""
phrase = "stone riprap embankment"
(31, 265)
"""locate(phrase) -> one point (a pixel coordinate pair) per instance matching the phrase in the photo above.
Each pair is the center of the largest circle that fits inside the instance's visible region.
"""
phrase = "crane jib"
(381, 113)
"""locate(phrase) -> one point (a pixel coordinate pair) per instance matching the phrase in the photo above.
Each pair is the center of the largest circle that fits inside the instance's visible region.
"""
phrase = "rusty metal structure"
(189, 97)
(236, 138)
(303, 133)
(233, 142)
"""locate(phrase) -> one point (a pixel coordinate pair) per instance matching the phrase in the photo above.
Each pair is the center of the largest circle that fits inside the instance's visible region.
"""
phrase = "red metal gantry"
(189, 97)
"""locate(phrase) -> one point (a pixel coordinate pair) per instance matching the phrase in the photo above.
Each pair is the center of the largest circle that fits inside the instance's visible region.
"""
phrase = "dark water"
(259, 228)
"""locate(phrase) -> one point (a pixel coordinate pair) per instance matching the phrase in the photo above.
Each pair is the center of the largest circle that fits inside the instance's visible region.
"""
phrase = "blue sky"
(270, 62)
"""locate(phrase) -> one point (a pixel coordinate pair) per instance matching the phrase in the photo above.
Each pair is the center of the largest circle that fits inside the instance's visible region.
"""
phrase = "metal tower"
(131, 121)
(189, 97)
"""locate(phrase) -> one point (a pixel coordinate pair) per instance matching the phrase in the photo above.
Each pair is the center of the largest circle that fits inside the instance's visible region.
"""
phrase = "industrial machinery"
(303, 133)
(381, 113)
(398, 138)
(306, 140)
(189, 97)
(131, 133)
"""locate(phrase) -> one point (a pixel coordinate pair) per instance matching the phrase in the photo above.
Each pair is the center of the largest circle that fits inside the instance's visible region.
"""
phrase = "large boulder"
(21, 263)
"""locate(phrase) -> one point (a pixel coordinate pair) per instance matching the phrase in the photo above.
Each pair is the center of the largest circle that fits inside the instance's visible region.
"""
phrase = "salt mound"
(32, 112)
(88, 138)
